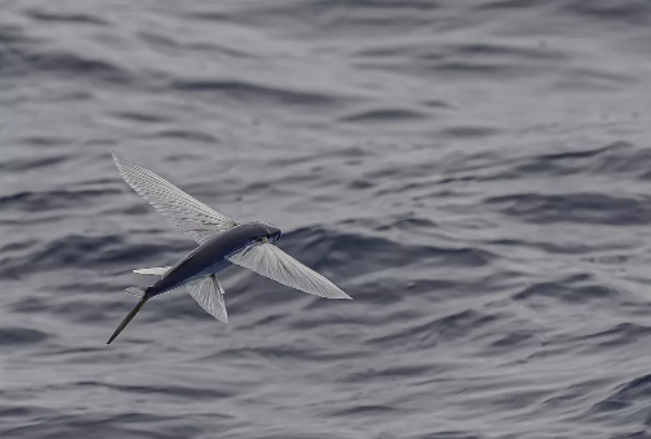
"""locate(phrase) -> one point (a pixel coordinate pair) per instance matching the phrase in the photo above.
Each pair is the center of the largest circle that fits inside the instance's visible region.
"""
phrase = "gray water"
(476, 174)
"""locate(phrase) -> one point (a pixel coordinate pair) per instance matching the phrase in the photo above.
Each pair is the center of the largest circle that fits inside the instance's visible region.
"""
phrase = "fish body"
(210, 258)
(221, 241)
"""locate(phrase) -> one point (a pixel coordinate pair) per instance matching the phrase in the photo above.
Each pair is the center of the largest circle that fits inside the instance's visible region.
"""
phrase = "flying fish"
(221, 243)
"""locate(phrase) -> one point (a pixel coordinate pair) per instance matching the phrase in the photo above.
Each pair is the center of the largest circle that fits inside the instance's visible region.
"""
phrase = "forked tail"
(128, 318)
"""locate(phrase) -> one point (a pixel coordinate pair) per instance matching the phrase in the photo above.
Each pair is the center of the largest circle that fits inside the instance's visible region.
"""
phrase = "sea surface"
(475, 173)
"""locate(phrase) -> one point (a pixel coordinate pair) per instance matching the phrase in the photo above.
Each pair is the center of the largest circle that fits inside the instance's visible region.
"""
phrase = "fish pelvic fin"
(135, 291)
(123, 324)
(156, 271)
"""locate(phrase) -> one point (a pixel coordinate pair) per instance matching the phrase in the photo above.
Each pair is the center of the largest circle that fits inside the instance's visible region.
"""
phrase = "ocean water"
(475, 173)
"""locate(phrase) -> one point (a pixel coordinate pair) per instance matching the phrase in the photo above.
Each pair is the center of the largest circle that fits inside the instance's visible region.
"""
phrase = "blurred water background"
(475, 173)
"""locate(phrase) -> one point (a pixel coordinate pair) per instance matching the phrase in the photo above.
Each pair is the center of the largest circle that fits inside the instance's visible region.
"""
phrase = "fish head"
(273, 233)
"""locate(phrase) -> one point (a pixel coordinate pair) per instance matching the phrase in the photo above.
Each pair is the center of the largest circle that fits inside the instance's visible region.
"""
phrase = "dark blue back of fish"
(208, 255)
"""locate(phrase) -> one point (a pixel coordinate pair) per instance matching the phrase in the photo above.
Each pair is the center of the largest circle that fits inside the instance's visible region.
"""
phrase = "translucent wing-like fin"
(156, 271)
(271, 262)
(209, 294)
(196, 219)
(135, 291)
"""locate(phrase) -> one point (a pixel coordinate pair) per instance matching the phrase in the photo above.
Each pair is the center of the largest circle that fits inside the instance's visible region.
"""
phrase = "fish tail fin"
(136, 291)
(123, 324)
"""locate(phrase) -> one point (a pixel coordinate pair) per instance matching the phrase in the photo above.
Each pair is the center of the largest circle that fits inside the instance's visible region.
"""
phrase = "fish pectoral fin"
(209, 294)
(197, 220)
(156, 271)
(269, 261)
